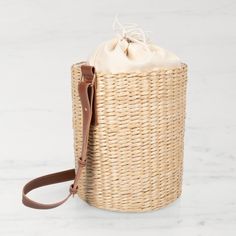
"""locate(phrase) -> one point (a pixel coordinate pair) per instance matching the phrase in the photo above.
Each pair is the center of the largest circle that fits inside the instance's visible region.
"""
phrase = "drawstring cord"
(130, 32)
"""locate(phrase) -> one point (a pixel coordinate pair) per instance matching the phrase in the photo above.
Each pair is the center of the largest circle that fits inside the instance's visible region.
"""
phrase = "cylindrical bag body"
(135, 152)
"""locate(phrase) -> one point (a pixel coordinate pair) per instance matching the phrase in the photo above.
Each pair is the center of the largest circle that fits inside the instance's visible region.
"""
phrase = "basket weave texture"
(135, 153)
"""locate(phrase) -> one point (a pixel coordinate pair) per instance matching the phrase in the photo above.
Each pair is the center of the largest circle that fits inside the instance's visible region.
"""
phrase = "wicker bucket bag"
(128, 140)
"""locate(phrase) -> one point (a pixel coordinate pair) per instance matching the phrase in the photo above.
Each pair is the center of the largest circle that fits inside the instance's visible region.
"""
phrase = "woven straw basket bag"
(135, 152)
(128, 140)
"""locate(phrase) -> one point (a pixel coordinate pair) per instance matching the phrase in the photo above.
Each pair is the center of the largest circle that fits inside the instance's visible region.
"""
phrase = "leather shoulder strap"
(86, 89)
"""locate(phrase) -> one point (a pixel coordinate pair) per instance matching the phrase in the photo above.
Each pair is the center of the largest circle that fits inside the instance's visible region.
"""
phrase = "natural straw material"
(135, 153)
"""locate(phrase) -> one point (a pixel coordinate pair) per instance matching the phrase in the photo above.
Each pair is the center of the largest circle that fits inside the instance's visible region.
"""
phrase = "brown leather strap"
(43, 181)
(86, 90)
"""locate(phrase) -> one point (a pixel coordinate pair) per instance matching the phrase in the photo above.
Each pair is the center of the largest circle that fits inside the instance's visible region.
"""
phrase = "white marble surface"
(39, 40)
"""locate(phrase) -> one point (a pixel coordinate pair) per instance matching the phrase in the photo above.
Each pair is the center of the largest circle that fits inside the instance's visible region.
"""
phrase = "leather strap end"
(89, 76)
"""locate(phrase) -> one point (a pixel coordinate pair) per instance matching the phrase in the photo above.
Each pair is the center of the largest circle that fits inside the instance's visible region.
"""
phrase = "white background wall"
(39, 40)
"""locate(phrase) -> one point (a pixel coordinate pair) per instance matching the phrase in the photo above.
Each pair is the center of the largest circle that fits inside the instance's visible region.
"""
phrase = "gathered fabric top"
(131, 51)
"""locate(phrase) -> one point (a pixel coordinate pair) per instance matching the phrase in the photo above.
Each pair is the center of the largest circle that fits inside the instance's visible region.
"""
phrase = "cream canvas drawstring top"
(131, 51)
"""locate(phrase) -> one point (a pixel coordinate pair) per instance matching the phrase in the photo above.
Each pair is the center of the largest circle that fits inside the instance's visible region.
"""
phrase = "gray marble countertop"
(41, 39)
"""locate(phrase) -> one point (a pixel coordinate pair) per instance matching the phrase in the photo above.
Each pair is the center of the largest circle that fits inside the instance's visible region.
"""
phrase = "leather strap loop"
(86, 89)
(54, 178)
